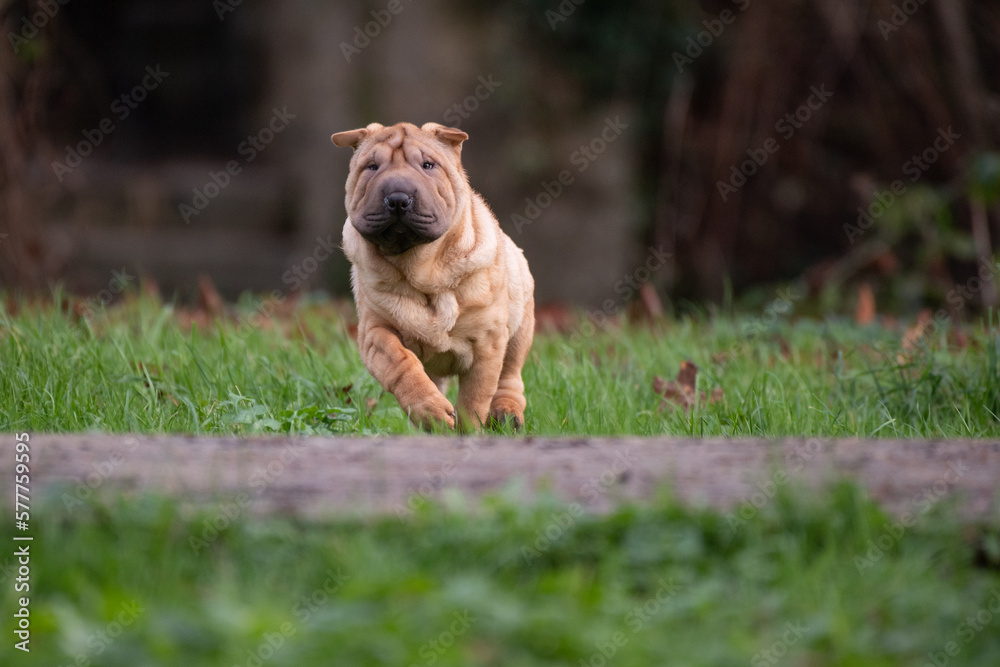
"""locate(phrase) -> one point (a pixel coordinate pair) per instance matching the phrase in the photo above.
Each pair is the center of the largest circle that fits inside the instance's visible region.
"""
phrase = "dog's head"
(406, 186)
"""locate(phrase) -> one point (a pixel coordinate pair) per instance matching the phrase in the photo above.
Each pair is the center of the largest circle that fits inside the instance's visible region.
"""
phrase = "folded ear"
(353, 138)
(450, 136)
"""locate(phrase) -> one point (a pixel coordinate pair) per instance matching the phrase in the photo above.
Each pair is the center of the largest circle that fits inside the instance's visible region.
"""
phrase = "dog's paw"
(503, 413)
(432, 412)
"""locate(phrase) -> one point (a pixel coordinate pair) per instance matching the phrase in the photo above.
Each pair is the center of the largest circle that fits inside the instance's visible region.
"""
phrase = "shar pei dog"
(440, 289)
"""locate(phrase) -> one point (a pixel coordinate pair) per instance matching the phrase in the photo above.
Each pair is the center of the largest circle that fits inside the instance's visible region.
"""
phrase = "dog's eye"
(372, 167)
(427, 164)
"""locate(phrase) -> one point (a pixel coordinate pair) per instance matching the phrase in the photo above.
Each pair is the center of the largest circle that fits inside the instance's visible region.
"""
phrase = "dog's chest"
(431, 327)
(447, 357)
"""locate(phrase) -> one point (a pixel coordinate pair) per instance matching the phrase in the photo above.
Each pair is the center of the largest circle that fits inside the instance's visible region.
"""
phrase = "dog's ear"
(353, 138)
(449, 136)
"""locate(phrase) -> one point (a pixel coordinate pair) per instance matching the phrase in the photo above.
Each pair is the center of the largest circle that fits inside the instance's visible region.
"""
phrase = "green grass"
(514, 585)
(134, 369)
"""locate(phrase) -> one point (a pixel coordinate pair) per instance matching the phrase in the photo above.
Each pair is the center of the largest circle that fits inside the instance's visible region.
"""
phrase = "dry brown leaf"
(958, 339)
(150, 288)
(786, 348)
(209, 299)
(886, 263)
(687, 376)
(153, 370)
(913, 336)
(682, 392)
(187, 318)
(865, 312)
(652, 306)
(168, 396)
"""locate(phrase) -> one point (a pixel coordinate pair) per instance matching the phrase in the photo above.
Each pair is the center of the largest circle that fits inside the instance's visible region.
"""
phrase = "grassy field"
(824, 581)
(144, 368)
(811, 580)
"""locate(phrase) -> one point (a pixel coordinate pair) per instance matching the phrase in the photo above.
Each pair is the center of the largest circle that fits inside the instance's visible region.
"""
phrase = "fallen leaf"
(886, 263)
(187, 318)
(150, 288)
(687, 376)
(865, 312)
(682, 392)
(913, 336)
(652, 307)
(209, 299)
(152, 369)
(786, 348)
(958, 339)
(720, 358)
(168, 396)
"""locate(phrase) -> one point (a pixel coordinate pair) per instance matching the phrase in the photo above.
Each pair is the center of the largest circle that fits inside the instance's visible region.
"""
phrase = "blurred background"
(844, 144)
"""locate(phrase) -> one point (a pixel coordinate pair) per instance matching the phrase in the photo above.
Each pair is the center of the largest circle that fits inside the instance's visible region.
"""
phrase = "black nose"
(397, 202)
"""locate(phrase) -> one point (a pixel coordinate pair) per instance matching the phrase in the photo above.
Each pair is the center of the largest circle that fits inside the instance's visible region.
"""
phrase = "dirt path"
(318, 476)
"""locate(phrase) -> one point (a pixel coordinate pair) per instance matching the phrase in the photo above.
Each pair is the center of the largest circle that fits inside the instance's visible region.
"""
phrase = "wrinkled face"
(405, 184)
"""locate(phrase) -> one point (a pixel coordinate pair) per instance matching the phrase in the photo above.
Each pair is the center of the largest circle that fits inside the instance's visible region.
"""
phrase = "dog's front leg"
(399, 371)
(477, 385)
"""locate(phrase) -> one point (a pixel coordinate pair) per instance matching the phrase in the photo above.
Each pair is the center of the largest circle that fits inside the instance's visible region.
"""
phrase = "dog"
(440, 289)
